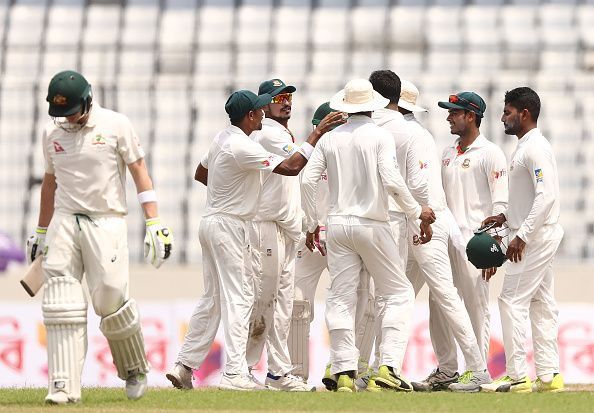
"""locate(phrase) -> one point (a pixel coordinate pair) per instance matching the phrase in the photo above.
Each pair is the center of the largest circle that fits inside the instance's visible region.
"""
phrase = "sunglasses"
(282, 97)
(457, 99)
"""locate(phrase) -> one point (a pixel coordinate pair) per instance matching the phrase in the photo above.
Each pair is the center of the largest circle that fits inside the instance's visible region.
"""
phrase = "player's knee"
(107, 300)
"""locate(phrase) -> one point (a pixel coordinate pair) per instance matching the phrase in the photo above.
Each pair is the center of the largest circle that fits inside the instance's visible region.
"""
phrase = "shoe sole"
(386, 384)
(478, 389)
(176, 382)
(504, 388)
(344, 390)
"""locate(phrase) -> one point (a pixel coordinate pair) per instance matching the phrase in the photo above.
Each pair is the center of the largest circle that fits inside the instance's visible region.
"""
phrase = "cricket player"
(532, 215)
(233, 189)
(474, 175)
(362, 172)
(309, 268)
(430, 263)
(82, 231)
(276, 232)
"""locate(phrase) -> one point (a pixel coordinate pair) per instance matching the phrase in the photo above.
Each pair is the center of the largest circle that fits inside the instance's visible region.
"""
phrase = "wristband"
(152, 221)
(306, 150)
(41, 230)
(147, 196)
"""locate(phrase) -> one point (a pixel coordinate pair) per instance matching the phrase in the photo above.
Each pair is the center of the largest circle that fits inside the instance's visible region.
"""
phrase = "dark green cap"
(242, 101)
(320, 113)
(274, 87)
(483, 251)
(67, 93)
(466, 101)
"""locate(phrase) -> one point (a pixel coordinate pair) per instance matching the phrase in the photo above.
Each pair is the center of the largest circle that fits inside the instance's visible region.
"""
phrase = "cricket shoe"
(388, 379)
(329, 379)
(366, 382)
(136, 385)
(60, 397)
(506, 384)
(471, 381)
(345, 384)
(556, 385)
(180, 376)
(436, 381)
(242, 382)
(288, 382)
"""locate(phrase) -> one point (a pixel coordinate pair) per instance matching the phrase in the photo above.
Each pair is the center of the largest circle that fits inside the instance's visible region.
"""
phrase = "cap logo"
(60, 100)
(494, 248)
(277, 83)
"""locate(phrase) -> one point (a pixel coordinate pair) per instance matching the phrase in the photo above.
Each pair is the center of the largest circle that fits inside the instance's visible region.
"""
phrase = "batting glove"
(158, 242)
(36, 244)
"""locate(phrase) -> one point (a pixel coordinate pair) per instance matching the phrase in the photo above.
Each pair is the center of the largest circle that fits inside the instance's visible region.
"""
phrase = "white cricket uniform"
(276, 232)
(475, 184)
(88, 233)
(528, 286)
(234, 162)
(360, 159)
(430, 263)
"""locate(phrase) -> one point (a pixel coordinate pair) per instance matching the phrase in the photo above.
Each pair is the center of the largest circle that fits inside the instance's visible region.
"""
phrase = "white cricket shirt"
(534, 203)
(90, 165)
(408, 154)
(360, 158)
(234, 162)
(280, 196)
(475, 183)
(428, 164)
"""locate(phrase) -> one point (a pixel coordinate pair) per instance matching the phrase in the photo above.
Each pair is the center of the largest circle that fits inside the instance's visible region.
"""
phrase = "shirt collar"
(528, 135)
(235, 129)
(479, 142)
(410, 116)
(359, 119)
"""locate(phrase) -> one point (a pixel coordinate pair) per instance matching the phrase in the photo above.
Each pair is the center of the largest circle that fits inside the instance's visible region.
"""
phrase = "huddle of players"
(396, 217)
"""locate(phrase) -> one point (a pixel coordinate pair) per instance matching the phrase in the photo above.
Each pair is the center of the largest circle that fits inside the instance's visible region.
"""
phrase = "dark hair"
(477, 119)
(524, 98)
(387, 84)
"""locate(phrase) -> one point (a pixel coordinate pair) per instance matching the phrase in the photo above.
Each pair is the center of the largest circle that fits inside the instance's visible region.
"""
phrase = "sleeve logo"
(538, 175)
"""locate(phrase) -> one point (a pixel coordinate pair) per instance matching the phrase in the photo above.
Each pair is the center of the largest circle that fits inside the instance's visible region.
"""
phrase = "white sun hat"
(408, 97)
(358, 96)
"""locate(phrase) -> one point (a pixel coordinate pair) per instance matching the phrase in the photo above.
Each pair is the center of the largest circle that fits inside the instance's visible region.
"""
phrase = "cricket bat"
(33, 278)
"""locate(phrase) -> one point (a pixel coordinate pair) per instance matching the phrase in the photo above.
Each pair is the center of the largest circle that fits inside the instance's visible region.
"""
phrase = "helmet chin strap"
(73, 127)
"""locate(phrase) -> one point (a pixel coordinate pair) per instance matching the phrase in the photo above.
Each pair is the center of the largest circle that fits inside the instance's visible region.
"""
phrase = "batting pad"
(365, 329)
(64, 310)
(298, 341)
(123, 333)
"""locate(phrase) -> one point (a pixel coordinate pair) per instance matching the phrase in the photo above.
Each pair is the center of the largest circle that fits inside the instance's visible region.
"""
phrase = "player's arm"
(417, 172)
(295, 163)
(309, 188)
(394, 183)
(495, 168)
(144, 184)
(46, 204)
(201, 174)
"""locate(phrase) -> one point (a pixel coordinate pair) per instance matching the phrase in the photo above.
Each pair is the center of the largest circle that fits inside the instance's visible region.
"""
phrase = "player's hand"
(498, 220)
(312, 241)
(158, 242)
(515, 249)
(330, 121)
(488, 273)
(427, 215)
(35, 244)
(426, 232)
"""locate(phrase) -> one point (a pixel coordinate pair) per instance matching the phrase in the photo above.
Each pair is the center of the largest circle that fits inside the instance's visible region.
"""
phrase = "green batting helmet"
(484, 251)
(68, 92)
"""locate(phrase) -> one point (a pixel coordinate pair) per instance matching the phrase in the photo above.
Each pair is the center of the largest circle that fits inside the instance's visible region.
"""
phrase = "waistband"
(353, 220)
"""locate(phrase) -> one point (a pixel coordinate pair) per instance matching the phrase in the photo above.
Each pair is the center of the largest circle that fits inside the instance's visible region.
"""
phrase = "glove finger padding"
(35, 244)
(158, 242)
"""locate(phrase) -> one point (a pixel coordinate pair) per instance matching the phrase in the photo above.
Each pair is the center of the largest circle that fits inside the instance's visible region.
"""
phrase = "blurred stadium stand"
(170, 65)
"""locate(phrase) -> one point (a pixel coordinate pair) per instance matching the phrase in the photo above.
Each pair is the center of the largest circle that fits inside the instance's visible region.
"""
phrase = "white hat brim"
(411, 106)
(337, 103)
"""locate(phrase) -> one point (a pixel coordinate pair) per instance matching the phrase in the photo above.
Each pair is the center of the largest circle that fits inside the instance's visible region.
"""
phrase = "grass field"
(579, 400)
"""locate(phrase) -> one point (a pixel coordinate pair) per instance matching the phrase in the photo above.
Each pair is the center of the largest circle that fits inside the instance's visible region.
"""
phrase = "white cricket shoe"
(136, 386)
(239, 382)
(180, 377)
(288, 382)
(60, 397)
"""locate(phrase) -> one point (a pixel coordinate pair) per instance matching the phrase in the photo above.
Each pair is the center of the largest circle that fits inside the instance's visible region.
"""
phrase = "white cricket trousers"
(528, 291)
(475, 294)
(430, 263)
(274, 254)
(354, 242)
(228, 292)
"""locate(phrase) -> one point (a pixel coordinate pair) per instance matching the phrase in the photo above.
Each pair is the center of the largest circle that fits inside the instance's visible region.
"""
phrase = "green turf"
(161, 400)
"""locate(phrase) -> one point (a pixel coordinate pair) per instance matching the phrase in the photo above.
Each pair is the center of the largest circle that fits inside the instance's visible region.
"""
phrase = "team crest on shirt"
(538, 175)
(445, 162)
(98, 140)
(423, 164)
(288, 149)
(498, 174)
(466, 163)
(416, 240)
(58, 148)
(269, 252)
